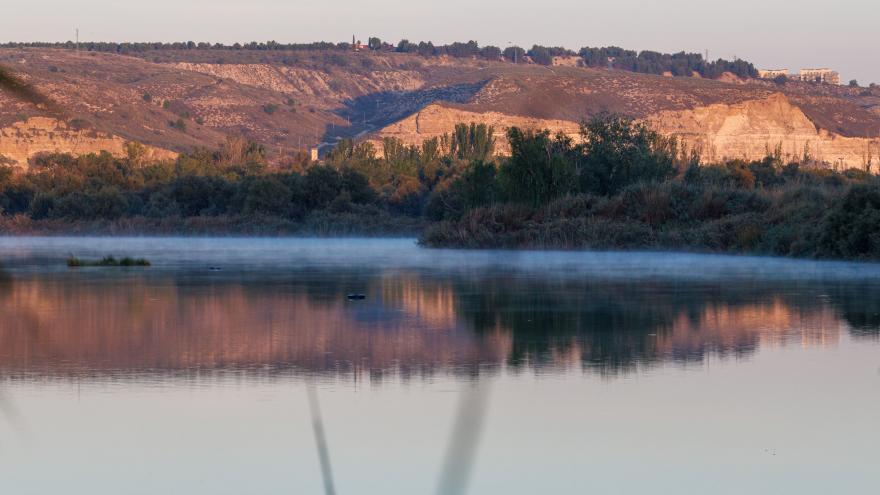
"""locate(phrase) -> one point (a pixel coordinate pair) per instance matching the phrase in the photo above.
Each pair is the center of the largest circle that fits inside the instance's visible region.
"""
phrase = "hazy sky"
(841, 34)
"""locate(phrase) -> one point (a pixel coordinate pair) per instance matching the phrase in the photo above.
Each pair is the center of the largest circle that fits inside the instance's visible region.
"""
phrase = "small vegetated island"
(107, 261)
(621, 186)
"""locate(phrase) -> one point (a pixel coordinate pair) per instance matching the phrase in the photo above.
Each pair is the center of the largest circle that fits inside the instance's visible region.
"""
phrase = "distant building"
(826, 76)
(313, 154)
(567, 61)
(357, 45)
(773, 73)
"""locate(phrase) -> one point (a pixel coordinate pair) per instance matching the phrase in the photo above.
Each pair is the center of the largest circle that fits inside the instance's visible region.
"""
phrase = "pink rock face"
(748, 130)
(23, 140)
(751, 129)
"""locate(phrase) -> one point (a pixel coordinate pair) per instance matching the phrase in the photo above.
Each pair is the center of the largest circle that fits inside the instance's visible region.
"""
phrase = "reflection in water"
(412, 323)
(178, 379)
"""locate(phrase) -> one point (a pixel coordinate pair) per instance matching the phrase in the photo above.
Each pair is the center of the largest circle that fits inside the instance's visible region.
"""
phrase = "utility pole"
(77, 39)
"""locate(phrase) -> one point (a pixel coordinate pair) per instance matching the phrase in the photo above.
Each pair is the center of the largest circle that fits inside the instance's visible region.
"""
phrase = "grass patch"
(74, 262)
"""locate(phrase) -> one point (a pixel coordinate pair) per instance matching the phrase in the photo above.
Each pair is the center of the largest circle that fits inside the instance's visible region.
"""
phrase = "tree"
(178, 124)
(538, 169)
(472, 142)
(267, 195)
(514, 54)
(854, 83)
(490, 52)
(618, 152)
(374, 43)
(852, 229)
(357, 186)
(476, 186)
(463, 50)
(321, 185)
(404, 46)
(427, 49)
(541, 55)
(135, 152)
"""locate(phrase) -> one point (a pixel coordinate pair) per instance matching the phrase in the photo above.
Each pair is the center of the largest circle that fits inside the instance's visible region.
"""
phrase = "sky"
(843, 35)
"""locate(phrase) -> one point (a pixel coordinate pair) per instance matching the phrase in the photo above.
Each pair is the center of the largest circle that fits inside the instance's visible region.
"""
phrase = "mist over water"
(699, 364)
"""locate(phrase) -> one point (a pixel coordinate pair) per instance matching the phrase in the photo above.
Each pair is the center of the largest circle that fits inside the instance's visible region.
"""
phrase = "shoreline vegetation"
(622, 186)
(319, 225)
(107, 261)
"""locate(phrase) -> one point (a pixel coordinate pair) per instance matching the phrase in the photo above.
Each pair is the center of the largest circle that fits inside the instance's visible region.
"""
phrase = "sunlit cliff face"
(409, 325)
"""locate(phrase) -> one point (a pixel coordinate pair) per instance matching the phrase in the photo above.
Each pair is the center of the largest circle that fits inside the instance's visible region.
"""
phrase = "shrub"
(619, 152)
(178, 124)
(74, 262)
(537, 170)
(267, 195)
(852, 229)
(321, 185)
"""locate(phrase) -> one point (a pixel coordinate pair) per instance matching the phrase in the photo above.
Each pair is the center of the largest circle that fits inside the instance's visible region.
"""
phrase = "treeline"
(140, 47)
(620, 186)
(233, 182)
(648, 62)
(625, 187)
(355, 191)
(678, 64)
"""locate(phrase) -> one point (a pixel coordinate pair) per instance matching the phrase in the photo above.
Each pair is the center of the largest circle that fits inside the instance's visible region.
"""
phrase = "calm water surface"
(561, 372)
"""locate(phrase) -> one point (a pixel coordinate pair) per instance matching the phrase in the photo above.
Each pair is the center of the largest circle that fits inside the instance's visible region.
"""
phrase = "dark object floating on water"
(74, 262)
(214, 268)
(356, 297)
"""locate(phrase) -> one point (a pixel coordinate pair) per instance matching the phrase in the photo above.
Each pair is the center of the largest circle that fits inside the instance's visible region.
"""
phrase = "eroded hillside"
(290, 102)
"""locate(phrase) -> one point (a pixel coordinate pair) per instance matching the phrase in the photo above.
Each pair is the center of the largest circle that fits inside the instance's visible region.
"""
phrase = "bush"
(619, 152)
(74, 262)
(267, 195)
(852, 229)
(178, 124)
(537, 170)
(321, 185)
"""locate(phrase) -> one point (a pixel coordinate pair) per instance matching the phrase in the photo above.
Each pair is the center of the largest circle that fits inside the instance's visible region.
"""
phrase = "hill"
(293, 100)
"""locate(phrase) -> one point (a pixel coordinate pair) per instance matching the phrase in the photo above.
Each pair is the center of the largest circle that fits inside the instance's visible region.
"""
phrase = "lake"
(510, 372)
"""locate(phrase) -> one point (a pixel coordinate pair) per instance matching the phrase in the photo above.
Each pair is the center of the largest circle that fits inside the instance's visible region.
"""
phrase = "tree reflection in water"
(413, 323)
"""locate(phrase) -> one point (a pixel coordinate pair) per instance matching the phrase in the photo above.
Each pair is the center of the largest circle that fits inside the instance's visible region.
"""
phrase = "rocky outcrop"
(310, 85)
(748, 130)
(20, 141)
(751, 129)
(436, 120)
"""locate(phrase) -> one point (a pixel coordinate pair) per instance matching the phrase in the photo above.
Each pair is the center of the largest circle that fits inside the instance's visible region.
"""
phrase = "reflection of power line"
(10, 412)
(462, 450)
(460, 454)
(320, 439)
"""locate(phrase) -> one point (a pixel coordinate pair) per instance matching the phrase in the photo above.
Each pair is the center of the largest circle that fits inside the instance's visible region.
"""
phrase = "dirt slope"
(292, 101)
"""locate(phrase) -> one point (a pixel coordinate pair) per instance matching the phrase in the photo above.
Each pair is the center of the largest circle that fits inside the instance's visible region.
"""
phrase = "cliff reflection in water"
(412, 323)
